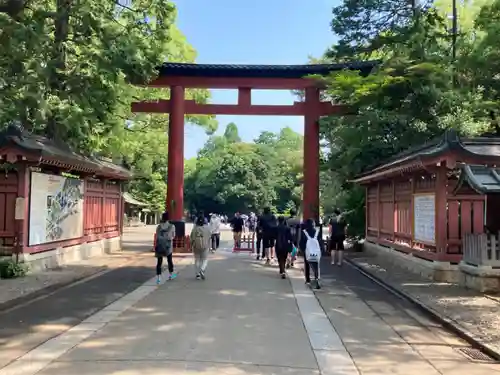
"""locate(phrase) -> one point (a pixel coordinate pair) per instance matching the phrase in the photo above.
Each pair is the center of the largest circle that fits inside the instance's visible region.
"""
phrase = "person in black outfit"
(310, 228)
(237, 224)
(284, 243)
(258, 232)
(268, 222)
(338, 229)
(293, 223)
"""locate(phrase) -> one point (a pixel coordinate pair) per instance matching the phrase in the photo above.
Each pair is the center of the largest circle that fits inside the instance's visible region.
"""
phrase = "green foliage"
(9, 269)
(230, 175)
(415, 94)
(66, 69)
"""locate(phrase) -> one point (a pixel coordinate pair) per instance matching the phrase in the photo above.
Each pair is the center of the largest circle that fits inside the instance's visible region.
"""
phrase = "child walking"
(200, 245)
(165, 234)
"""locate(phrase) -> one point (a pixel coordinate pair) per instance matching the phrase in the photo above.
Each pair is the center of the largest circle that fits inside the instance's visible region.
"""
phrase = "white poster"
(56, 208)
(424, 218)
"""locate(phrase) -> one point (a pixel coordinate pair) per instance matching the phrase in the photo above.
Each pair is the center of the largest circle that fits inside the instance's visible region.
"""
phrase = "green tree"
(231, 175)
(416, 93)
(231, 133)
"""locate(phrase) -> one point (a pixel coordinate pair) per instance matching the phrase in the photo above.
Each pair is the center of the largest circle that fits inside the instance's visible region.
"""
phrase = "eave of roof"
(472, 148)
(260, 71)
(482, 179)
(128, 198)
(50, 153)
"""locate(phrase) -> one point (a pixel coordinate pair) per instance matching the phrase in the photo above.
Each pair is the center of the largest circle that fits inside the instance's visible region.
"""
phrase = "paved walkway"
(474, 313)
(136, 240)
(244, 320)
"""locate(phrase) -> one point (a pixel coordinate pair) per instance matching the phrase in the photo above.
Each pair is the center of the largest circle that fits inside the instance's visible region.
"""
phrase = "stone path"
(14, 290)
(472, 312)
(245, 320)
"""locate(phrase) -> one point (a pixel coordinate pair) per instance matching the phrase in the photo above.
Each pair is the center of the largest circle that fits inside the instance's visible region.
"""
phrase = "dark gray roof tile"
(260, 71)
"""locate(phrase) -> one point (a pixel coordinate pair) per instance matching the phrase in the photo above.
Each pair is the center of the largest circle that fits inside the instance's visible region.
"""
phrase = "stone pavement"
(245, 320)
(474, 313)
(13, 291)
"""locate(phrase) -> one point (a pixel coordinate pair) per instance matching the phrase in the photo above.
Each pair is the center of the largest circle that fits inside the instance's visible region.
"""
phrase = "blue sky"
(254, 32)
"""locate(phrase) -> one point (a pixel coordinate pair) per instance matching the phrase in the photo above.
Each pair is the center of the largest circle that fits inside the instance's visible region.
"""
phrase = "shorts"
(337, 242)
(267, 241)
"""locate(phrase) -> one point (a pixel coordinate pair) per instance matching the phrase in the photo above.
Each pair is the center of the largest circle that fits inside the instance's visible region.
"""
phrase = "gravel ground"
(473, 312)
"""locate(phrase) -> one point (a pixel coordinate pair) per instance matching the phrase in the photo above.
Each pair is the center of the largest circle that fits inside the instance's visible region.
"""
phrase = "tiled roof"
(481, 178)
(129, 198)
(260, 71)
(480, 148)
(50, 150)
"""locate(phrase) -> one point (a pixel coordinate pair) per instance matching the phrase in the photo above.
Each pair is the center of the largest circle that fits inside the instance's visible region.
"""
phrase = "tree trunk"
(58, 63)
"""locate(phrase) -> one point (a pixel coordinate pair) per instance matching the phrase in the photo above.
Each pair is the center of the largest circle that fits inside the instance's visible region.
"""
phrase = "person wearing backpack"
(165, 234)
(284, 244)
(310, 245)
(200, 244)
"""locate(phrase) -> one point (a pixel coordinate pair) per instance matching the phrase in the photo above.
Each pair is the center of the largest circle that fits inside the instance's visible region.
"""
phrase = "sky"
(254, 32)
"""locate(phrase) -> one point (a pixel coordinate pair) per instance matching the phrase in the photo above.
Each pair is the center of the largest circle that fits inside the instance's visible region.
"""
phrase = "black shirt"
(268, 223)
(338, 224)
(238, 224)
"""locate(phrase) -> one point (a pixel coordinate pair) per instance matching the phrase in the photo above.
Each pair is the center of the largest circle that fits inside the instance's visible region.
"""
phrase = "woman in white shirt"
(214, 226)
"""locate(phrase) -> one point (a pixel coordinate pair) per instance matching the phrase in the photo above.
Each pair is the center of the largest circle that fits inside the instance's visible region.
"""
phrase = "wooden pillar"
(22, 208)
(175, 182)
(310, 204)
(367, 209)
(245, 97)
(103, 206)
(379, 211)
(441, 190)
(412, 221)
(121, 208)
(394, 211)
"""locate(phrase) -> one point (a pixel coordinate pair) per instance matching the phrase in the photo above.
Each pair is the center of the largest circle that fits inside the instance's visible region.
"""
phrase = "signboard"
(56, 208)
(424, 218)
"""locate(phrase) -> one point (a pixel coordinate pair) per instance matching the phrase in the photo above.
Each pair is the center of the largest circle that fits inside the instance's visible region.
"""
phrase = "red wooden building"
(421, 203)
(56, 205)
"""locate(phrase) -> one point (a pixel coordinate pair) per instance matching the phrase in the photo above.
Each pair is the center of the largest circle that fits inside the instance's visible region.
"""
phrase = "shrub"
(9, 269)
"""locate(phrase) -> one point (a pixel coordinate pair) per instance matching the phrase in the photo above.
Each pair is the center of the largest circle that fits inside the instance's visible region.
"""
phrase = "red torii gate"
(244, 78)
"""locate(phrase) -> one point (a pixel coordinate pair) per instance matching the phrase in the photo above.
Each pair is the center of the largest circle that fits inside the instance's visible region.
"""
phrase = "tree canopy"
(230, 175)
(66, 69)
(418, 91)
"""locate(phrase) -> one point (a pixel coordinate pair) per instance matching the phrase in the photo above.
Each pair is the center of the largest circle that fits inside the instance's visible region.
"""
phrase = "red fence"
(389, 214)
(103, 207)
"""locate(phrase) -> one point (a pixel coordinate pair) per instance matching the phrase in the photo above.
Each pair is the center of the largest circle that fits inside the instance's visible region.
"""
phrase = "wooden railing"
(482, 249)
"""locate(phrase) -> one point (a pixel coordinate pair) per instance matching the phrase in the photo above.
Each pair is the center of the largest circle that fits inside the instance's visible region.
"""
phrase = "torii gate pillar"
(175, 182)
(310, 197)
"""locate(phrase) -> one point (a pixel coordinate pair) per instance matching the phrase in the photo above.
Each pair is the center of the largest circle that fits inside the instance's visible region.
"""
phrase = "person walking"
(237, 224)
(310, 245)
(269, 224)
(293, 223)
(200, 244)
(284, 245)
(215, 232)
(165, 234)
(258, 233)
(338, 231)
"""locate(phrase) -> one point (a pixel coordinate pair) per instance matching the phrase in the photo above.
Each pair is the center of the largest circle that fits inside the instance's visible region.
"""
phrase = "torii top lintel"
(225, 76)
